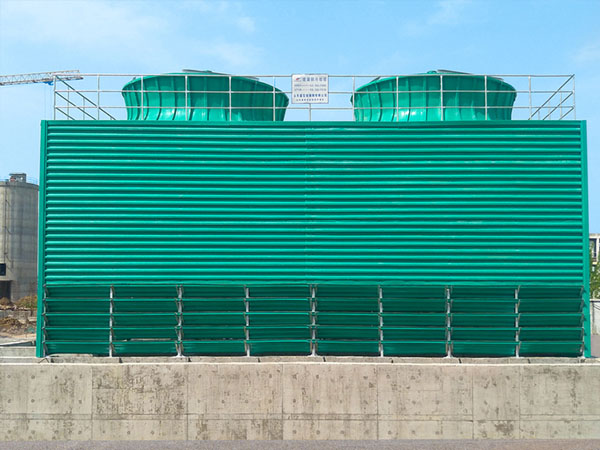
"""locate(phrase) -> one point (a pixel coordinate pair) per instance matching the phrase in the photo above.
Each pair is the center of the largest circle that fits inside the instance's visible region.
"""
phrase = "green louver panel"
(313, 238)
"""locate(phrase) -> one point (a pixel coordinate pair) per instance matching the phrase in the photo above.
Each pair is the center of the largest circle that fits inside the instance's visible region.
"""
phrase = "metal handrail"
(561, 99)
(550, 98)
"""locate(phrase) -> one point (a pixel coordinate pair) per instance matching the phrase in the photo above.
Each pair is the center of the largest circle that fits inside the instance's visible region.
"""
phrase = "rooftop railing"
(99, 96)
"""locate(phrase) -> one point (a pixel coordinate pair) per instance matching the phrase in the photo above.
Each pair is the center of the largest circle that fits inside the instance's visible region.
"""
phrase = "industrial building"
(595, 247)
(201, 221)
(18, 237)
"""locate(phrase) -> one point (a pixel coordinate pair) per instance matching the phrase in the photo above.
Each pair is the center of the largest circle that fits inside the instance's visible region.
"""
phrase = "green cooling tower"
(418, 98)
(203, 96)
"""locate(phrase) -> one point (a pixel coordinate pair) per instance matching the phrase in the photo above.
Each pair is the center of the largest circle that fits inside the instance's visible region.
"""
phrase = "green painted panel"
(491, 349)
(556, 348)
(220, 348)
(347, 333)
(190, 333)
(86, 347)
(368, 348)
(163, 348)
(414, 334)
(280, 347)
(216, 235)
(279, 332)
(414, 348)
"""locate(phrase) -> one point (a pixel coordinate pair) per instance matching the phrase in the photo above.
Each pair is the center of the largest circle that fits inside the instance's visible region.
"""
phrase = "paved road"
(314, 445)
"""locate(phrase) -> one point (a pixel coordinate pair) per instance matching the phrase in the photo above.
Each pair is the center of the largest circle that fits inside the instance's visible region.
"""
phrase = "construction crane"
(39, 77)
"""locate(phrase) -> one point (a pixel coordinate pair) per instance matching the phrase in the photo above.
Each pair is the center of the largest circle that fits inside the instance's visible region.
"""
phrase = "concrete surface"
(560, 444)
(152, 400)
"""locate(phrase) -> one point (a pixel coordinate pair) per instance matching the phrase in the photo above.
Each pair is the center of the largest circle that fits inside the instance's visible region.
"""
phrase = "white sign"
(310, 88)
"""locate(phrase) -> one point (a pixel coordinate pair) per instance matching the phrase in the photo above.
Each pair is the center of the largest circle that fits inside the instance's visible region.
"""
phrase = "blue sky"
(285, 36)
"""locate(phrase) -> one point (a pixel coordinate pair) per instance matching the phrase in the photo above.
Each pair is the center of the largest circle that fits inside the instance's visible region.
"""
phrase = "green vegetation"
(29, 302)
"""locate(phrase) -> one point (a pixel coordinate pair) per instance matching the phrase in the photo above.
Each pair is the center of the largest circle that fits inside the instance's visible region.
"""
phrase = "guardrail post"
(230, 110)
(274, 115)
(530, 100)
(441, 98)
(574, 108)
(485, 91)
(186, 99)
(398, 102)
(354, 98)
(54, 97)
(142, 97)
(98, 98)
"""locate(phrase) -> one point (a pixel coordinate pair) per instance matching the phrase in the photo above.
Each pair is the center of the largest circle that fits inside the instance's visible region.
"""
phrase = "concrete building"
(18, 237)
(595, 246)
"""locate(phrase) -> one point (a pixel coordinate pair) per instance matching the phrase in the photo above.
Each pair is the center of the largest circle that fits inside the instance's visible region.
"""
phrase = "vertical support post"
(485, 91)
(398, 101)
(517, 325)
(186, 98)
(179, 344)
(313, 321)
(310, 112)
(380, 314)
(43, 321)
(354, 97)
(274, 97)
(246, 320)
(54, 80)
(530, 99)
(69, 103)
(448, 323)
(142, 97)
(98, 97)
(230, 96)
(574, 108)
(441, 97)
(110, 321)
(561, 106)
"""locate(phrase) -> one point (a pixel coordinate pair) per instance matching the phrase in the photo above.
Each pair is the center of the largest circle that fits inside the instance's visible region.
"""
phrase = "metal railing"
(99, 96)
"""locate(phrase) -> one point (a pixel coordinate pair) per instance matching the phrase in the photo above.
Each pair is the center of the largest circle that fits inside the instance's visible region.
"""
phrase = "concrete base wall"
(290, 399)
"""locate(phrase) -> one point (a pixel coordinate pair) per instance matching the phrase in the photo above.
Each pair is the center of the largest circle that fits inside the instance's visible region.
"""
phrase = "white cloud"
(246, 24)
(234, 55)
(589, 53)
(226, 12)
(445, 13)
(142, 36)
(84, 24)
(448, 12)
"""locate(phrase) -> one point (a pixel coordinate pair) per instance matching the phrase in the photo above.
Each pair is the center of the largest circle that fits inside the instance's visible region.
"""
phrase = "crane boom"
(39, 77)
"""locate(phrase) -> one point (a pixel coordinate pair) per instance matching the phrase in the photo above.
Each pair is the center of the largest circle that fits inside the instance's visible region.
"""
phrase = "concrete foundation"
(288, 399)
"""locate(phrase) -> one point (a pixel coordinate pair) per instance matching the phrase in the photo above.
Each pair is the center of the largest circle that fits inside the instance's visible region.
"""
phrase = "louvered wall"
(315, 237)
